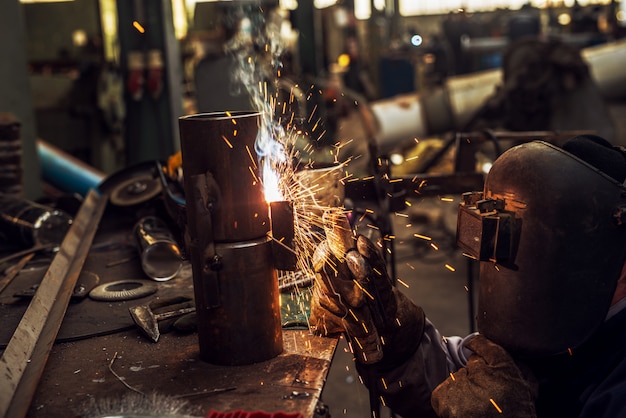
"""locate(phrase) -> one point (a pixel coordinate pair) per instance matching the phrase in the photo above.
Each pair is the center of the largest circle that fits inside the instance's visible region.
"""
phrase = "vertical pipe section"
(227, 237)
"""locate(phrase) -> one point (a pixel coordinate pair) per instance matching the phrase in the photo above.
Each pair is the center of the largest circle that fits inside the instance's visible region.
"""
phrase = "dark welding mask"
(548, 231)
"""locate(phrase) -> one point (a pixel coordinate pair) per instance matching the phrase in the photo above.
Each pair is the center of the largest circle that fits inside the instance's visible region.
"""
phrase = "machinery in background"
(543, 85)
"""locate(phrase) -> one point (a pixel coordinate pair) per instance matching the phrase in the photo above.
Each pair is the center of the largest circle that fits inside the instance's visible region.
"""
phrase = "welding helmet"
(548, 231)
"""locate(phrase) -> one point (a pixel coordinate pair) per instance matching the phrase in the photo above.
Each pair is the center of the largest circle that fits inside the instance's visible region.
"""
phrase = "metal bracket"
(206, 193)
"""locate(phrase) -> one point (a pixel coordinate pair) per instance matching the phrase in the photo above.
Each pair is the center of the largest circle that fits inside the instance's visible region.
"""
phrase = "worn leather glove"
(490, 385)
(354, 295)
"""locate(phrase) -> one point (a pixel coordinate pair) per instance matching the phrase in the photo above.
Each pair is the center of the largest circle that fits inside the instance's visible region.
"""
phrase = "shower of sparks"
(283, 147)
(282, 159)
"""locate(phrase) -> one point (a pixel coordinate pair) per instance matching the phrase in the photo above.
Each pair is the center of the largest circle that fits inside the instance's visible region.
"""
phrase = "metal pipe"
(450, 107)
(227, 237)
(66, 172)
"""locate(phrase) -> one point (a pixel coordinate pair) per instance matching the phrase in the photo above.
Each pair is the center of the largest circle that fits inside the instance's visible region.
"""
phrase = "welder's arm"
(401, 357)
(399, 354)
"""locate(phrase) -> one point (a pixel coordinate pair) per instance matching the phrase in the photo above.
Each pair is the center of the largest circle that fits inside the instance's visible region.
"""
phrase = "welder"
(549, 233)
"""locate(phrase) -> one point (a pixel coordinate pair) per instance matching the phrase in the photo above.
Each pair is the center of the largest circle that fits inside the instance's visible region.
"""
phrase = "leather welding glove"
(354, 295)
(490, 385)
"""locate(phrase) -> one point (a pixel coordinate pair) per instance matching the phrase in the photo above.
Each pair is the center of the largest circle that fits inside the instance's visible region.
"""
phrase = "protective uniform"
(549, 232)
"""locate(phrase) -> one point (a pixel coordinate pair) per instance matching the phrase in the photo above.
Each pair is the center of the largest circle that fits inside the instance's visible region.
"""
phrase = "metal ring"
(123, 290)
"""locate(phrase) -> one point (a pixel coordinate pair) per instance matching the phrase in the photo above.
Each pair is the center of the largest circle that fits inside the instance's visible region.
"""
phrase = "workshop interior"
(166, 166)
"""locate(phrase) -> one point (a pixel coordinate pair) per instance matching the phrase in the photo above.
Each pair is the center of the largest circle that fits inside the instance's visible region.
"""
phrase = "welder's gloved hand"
(491, 385)
(354, 295)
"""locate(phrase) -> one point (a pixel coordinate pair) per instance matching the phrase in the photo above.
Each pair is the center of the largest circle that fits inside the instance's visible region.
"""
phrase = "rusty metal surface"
(78, 376)
(235, 282)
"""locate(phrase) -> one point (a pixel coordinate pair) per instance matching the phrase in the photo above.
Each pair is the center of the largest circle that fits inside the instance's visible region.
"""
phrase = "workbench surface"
(102, 373)
(101, 363)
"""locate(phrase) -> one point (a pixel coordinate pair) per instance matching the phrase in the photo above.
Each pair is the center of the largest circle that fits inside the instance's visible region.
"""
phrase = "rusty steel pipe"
(235, 282)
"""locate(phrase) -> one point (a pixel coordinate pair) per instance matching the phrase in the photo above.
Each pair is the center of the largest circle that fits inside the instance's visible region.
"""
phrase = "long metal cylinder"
(399, 119)
(235, 282)
(246, 327)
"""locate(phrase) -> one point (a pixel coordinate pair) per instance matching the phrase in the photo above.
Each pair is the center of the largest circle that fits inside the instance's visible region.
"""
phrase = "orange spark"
(312, 113)
(227, 142)
(253, 174)
(495, 405)
(422, 237)
(138, 26)
(363, 289)
(449, 267)
(432, 244)
(452, 377)
(402, 282)
(358, 343)
(251, 158)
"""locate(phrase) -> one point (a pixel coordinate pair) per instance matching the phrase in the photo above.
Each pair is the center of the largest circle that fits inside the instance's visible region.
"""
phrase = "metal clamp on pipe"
(283, 232)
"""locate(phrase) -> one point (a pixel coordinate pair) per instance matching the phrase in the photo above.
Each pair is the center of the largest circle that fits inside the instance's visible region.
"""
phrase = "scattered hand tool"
(147, 317)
